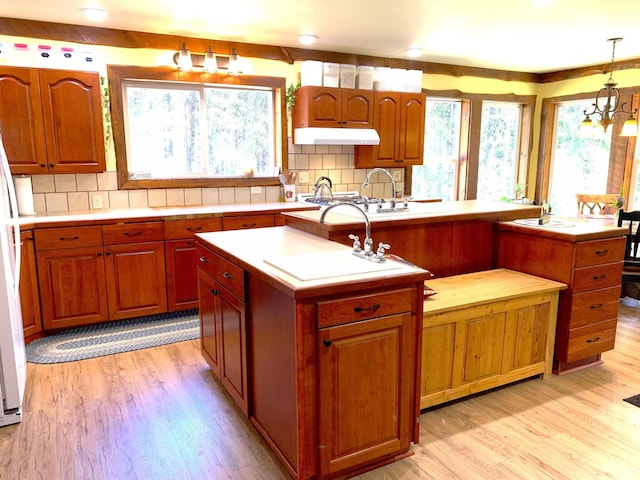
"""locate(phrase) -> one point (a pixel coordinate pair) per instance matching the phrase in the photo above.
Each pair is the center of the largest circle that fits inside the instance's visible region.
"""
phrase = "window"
(184, 129)
(436, 177)
(579, 163)
(476, 147)
(498, 159)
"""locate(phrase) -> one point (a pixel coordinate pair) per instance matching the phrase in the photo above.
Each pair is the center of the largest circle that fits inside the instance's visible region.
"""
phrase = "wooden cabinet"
(364, 390)
(591, 266)
(135, 269)
(51, 120)
(251, 221)
(399, 119)
(71, 276)
(333, 107)
(29, 296)
(181, 261)
(223, 323)
(483, 330)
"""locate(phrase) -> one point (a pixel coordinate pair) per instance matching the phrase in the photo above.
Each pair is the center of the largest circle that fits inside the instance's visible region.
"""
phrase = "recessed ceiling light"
(307, 39)
(95, 14)
(542, 3)
(414, 52)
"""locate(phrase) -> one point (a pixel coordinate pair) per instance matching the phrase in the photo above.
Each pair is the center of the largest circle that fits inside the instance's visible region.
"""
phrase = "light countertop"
(276, 245)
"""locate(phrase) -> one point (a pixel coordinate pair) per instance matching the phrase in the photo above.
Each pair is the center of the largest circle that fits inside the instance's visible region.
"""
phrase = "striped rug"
(115, 337)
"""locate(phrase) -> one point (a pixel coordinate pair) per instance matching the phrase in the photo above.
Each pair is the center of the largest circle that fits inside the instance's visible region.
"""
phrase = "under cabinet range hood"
(335, 136)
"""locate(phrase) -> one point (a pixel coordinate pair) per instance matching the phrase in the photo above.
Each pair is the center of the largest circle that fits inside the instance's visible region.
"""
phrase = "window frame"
(470, 129)
(118, 73)
(620, 155)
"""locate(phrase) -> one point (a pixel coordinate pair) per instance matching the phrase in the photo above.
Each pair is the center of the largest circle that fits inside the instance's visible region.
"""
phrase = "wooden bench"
(486, 329)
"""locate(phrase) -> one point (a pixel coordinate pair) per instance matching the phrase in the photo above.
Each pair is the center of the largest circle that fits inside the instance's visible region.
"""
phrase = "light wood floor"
(158, 414)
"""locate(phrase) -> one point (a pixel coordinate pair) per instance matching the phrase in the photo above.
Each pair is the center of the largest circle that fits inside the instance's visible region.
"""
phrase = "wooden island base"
(486, 329)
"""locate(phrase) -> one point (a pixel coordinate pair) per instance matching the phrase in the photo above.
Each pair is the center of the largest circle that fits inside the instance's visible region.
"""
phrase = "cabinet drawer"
(184, 229)
(230, 275)
(248, 221)
(599, 251)
(132, 233)
(596, 277)
(362, 307)
(206, 259)
(591, 340)
(594, 306)
(68, 237)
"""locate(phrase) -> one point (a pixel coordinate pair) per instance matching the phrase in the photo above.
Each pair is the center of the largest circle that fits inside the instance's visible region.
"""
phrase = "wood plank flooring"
(158, 414)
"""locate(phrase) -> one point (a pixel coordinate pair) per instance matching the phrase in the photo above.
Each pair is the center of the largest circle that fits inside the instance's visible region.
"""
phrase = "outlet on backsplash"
(96, 201)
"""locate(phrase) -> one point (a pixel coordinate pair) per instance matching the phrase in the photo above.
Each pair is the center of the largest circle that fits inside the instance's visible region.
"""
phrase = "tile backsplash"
(69, 192)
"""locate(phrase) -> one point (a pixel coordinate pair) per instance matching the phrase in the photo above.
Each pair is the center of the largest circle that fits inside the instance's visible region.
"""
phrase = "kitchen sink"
(386, 211)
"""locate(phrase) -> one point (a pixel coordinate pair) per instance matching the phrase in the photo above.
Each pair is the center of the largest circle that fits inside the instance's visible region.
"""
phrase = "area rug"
(115, 337)
(635, 400)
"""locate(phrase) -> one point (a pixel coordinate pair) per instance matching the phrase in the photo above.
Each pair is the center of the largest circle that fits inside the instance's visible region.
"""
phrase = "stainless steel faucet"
(393, 184)
(368, 241)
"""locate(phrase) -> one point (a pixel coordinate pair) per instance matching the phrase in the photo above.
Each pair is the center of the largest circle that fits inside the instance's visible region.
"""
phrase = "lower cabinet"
(223, 323)
(136, 279)
(364, 396)
(29, 298)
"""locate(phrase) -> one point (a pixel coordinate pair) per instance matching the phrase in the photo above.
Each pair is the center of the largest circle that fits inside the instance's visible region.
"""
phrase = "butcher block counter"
(447, 238)
(329, 376)
(588, 257)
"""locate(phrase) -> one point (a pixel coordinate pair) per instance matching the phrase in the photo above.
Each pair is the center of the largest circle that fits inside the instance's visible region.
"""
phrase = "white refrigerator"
(12, 351)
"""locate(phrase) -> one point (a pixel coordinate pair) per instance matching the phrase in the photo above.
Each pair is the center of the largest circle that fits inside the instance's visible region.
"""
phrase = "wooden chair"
(590, 204)
(631, 267)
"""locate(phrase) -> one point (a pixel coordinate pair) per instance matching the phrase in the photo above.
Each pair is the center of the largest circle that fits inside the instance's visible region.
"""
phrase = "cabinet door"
(318, 107)
(364, 389)
(357, 108)
(233, 345)
(29, 298)
(182, 285)
(21, 120)
(483, 344)
(72, 113)
(72, 285)
(208, 321)
(136, 280)
(387, 117)
(411, 132)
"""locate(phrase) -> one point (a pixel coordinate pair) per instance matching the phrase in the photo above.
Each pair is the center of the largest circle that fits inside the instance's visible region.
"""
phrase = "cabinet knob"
(373, 308)
(43, 165)
(99, 254)
(108, 253)
(51, 165)
(204, 259)
(214, 292)
(327, 343)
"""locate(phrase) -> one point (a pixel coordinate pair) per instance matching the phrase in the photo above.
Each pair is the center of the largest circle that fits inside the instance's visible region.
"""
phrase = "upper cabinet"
(399, 119)
(51, 120)
(333, 108)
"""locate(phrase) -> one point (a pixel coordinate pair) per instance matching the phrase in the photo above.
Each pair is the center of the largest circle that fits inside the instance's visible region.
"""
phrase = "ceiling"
(511, 35)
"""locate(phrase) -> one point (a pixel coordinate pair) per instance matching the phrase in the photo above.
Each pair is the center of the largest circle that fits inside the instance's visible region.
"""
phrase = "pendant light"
(610, 106)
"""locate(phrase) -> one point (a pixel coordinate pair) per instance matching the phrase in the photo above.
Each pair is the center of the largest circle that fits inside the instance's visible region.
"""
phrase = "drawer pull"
(602, 252)
(204, 259)
(65, 239)
(599, 305)
(375, 307)
(600, 277)
(189, 229)
(228, 276)
(593, 340)
(135, 234)
(214, 292)
(327, 343)
(249, 225)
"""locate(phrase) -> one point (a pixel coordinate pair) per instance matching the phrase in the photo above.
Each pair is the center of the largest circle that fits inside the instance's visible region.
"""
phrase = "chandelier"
(610, 106)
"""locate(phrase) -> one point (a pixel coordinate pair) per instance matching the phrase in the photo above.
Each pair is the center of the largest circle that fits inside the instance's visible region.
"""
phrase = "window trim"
(622, 148)
(470, 128)
(118, 73)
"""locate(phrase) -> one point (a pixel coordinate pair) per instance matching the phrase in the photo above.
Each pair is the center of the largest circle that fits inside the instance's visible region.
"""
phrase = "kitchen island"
(319, 348)
(447, 238)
